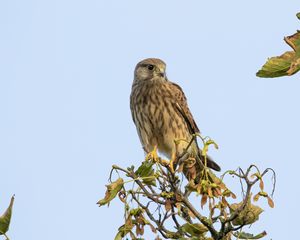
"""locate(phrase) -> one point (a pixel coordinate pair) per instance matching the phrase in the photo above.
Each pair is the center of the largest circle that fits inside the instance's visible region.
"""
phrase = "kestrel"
(161, 114)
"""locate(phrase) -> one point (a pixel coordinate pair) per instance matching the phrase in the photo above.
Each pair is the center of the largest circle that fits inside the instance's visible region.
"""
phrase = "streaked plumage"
(160, 111)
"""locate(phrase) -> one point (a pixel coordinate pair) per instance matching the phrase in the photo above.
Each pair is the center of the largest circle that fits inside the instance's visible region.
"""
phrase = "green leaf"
(195, 229)
(298, 15)
(248, 215)
(146, 172)
(243, 235)
(118, 236)
(123, 230)
(286, 64)
(112, 191)
(5, 218)
(206, 145)
(135, 211)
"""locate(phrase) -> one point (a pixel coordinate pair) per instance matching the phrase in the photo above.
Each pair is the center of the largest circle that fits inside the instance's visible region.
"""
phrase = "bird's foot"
(153, 155)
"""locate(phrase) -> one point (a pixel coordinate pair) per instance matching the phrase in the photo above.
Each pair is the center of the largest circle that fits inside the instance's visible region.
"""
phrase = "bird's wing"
(181, 105)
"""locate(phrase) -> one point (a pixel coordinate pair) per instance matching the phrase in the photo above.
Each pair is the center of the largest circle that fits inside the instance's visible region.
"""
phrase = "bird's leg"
(152, 155)
(173, 162)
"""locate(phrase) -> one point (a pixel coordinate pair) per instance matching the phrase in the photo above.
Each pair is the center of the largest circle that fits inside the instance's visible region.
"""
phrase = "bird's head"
(150, 68)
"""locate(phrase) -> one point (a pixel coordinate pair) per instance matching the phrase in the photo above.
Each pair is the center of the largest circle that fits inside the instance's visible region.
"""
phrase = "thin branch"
(134, 177)
(164, 232)
(202, 219)
(174, 217)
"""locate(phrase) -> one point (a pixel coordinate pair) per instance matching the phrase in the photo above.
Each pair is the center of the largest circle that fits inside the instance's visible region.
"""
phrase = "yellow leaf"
(256, 197)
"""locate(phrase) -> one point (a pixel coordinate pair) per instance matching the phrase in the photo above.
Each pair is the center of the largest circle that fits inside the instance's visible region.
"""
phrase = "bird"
(161, 114)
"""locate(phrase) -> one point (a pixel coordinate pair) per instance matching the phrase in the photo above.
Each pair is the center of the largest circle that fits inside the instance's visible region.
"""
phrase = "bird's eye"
(150, 67)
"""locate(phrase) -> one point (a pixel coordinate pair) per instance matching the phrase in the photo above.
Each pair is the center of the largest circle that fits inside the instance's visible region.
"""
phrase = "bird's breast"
(158, 121)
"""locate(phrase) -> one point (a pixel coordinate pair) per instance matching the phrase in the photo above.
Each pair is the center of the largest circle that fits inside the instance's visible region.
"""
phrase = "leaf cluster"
(157, 197)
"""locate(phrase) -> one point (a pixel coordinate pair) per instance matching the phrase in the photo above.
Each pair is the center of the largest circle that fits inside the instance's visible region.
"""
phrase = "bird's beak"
(162, 74)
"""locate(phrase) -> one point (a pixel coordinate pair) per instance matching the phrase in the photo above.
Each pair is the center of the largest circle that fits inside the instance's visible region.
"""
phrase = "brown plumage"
(160, 111)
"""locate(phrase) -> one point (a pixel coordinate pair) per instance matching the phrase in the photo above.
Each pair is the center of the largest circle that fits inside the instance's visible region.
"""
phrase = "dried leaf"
(209, 192)
(233, 195)
(190, 171)
(178, 206)
(270, 202)
(224, 201)
(112, 191)
(153, 229)
(168, 205)
(139, 229)
(203, 200)
(217, 192)
(128, 222)
(261, 184)
(210, 207)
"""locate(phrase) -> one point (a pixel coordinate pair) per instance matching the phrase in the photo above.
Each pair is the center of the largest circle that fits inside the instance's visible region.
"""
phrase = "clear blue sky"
(66, 69)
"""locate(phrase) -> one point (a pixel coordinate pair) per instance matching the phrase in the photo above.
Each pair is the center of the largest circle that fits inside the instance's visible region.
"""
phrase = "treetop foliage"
(157, 196)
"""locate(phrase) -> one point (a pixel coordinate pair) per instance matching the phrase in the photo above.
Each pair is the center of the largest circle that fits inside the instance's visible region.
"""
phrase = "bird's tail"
(210, 163)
